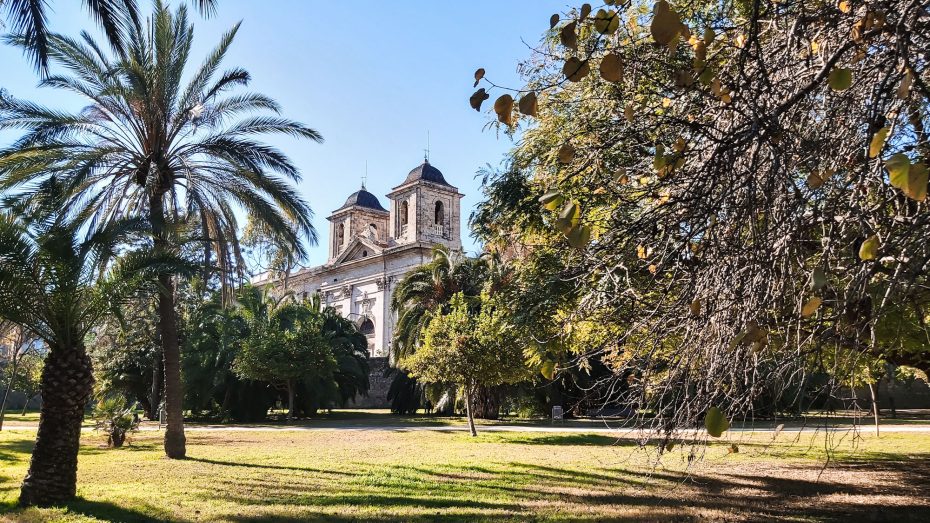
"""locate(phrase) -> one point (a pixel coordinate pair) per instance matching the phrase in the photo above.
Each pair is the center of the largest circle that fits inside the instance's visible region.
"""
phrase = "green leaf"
(869, 248)
(715, 422)
(568, 218)
(916, 188)
(840, 78)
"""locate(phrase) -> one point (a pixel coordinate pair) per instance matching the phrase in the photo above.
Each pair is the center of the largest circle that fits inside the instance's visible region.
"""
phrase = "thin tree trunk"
(175, 441)
(290, 399)
(26, 405)
(9, 385)
(155, 398)
(471, 419)
(874, 405)
(67, 381)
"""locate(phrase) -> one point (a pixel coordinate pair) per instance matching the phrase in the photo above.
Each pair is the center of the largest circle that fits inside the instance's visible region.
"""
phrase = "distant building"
(371, 248)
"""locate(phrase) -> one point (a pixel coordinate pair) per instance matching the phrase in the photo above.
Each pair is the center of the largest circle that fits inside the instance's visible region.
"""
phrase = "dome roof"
(363, 198)
(426, 172)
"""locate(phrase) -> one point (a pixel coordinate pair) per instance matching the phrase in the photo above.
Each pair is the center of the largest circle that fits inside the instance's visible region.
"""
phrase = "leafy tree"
(738, 188)
(285, 343)
(50, 284)
(28, 378)
(18, 369)
(125, 354)
(174, 153)
(467, 348)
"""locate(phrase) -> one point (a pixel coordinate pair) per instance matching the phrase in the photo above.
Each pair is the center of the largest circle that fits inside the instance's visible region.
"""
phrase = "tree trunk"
(155, 397)
(9, 385)
(487, 402)
(175, 442)
(874, 392)
(67, 381)
(471, 419)
(290, 399)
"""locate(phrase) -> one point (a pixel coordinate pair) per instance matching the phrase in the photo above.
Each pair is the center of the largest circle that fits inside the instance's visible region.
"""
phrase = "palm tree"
(149, 145)
(50, 284)
(28, 18)
(424, 291)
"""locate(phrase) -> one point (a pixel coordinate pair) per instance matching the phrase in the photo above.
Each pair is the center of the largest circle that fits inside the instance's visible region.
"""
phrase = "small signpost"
(557, 414)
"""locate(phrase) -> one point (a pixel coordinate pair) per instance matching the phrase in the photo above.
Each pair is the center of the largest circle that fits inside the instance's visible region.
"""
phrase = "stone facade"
(371, 249)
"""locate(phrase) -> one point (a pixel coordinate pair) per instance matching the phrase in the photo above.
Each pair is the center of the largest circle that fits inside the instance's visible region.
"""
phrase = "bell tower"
(361, 215)
(426, 208)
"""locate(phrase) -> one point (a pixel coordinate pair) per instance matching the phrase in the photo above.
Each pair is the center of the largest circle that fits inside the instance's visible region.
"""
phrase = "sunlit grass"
(424, 475)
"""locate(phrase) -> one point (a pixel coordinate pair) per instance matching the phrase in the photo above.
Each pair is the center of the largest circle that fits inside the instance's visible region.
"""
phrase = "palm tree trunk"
(67, 380)
(175, 441)
(471, 418)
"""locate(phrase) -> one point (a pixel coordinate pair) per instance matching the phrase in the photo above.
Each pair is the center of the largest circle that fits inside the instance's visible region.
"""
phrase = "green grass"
(423, 475)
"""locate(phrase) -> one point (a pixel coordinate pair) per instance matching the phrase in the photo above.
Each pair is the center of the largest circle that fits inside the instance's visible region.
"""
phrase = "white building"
(372, 248)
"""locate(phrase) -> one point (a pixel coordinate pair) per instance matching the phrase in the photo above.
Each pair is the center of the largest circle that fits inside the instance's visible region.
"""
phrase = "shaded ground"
(403, 475)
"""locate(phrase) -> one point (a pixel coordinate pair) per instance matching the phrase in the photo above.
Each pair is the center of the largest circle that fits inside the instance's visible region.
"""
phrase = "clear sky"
(372, 76)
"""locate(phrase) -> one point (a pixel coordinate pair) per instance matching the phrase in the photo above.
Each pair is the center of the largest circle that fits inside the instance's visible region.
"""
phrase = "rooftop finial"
(426, 151)
(365, 178)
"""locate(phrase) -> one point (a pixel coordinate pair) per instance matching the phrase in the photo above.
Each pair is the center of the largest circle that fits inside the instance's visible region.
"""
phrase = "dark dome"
(363, 198)
(426, 172)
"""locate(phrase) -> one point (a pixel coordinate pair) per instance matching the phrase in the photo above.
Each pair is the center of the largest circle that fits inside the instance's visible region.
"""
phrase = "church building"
(371, 248)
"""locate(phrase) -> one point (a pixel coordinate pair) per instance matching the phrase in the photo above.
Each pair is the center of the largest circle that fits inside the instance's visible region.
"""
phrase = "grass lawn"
(425, 475)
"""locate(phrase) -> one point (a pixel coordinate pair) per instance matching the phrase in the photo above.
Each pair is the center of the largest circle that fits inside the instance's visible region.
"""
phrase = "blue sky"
(372, 76)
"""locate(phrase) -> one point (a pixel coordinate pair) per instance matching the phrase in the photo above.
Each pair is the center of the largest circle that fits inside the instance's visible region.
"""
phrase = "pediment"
(358, 249)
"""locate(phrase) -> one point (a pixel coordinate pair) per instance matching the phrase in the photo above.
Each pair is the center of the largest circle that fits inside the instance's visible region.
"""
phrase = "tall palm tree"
(51, 285)
(149, 145)
(424, 291)
(28, 18)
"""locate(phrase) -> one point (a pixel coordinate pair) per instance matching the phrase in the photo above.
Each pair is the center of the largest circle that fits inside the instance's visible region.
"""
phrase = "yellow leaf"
(548, 369)
(551, 200)
(878, 141)
(666, 24)
(898, 167)
(840, 79)
(606, 22)
(695, 307)
(905, 86)
(666, 102)
(814, 180)
(869, 248)
(641, 252)
(815, 46)
(916, 188)
(611, 68)
(568, 37)
(479, 96)
(628, 112)
(585, 10)
(811, 306)
(575, 69)
(503, 106)
(528, 104)
(579, 236)
(566, 153)
(843, 6)
(653, 268)
(715, 422)
(479, 74)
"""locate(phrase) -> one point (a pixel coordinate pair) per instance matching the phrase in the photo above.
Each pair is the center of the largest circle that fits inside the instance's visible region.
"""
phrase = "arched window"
(404, 209)
(440, 215)
(341, 233)
(367, 327)
(372, 231)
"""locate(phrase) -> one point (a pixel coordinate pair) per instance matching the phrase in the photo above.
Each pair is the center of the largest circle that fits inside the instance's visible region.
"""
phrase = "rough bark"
(175, 441)
(67, 381)
(487, 402)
